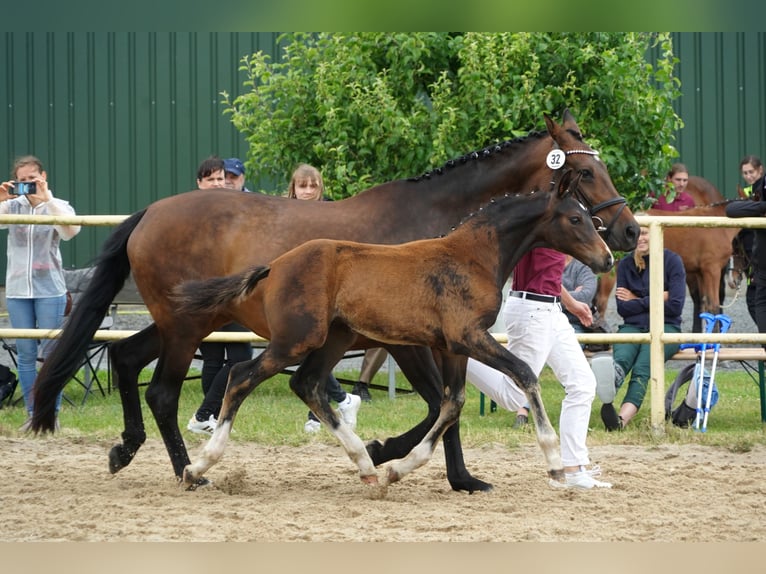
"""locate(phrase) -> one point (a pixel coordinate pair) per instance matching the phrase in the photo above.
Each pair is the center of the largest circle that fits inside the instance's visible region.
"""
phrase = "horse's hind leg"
(244, 377)
(127, 357)
(308, 383)
(163, 393)
(485, 349)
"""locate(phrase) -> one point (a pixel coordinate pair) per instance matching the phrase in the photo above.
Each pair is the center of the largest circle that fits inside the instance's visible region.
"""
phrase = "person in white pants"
(539, 333)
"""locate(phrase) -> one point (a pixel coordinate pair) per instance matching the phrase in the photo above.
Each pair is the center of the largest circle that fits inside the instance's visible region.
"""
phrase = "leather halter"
(598, 222)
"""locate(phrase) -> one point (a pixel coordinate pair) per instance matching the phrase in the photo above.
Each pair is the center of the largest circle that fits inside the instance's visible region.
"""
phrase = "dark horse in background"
(453, 287)
(205, 234)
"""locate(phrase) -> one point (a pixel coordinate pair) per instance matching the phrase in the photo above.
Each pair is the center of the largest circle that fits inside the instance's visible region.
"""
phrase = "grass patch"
(273, 415)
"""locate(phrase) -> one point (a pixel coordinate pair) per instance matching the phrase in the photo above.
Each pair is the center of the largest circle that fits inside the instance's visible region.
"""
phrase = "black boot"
(362, 390)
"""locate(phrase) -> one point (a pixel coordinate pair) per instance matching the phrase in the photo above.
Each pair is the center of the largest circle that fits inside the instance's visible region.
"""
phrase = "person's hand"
(625, 294)
(5, 188)
(43, 193)
(582, 312)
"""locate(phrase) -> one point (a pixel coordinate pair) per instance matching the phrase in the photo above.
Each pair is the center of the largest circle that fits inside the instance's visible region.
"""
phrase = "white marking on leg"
(212, 451)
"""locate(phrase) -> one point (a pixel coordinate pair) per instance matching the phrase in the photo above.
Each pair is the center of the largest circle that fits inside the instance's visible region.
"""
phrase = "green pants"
(634, 359)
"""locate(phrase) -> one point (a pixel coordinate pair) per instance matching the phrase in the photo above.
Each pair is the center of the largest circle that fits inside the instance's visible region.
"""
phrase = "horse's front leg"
(429, 380)
(453, 369)
(485, 349)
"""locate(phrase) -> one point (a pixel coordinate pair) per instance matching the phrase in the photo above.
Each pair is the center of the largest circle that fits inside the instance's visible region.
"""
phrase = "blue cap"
(234, 165)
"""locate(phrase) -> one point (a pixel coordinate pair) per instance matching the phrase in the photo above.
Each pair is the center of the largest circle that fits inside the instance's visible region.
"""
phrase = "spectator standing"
(34, 285)
(306, 184)
(218, 358)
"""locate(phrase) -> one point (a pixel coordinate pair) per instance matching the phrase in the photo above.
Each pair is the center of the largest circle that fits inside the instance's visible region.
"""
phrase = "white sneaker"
(584, 479)
(312, 426)
(348, 412)
(202, 427)
(603, 369)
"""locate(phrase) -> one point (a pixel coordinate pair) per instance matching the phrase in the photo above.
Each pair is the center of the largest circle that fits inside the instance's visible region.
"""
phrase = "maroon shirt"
(539, 271)
(681, 202)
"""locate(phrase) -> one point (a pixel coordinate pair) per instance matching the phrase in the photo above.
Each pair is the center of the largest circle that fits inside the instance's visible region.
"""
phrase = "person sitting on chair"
(632, 294)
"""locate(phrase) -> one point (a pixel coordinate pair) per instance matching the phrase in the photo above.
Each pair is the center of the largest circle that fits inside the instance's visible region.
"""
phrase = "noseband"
(598, 222)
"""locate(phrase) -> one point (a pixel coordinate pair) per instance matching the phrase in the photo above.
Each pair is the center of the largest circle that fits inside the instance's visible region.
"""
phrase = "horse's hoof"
(191, 483)
(557, 474)
(392, 476)
(119, 458)
(371, 479)
(471, 485)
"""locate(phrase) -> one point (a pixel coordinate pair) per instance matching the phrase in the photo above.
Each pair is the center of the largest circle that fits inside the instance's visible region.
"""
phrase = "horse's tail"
(112, 268)
(214, 295)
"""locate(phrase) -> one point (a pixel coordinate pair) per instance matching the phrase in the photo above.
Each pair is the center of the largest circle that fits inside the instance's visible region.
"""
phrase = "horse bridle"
(598, 222)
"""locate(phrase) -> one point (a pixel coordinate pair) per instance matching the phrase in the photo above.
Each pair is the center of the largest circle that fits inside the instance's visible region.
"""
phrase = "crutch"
(725, 322)
(708, 320)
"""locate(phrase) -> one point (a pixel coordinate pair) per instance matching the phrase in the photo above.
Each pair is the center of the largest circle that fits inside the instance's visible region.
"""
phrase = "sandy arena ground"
(59, 489)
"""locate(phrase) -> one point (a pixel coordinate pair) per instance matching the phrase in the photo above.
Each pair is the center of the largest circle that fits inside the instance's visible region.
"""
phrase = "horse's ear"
(552, 126)
(569, 121)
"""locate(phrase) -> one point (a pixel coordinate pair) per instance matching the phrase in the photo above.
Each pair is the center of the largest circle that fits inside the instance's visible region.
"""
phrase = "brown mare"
(707, 253)
(205, 234)
(313, 301)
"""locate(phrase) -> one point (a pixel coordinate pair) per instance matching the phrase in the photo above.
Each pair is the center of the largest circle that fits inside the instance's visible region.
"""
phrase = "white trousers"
(539, 333)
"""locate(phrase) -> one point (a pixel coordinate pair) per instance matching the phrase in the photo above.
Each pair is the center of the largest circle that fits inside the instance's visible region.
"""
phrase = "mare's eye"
(587, 174)
(575, 220)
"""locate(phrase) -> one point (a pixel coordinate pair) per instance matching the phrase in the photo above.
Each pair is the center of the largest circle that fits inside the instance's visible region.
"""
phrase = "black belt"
(536, 297)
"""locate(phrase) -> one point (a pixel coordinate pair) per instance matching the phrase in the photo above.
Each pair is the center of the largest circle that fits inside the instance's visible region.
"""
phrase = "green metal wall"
(723, 79)
(119, 119)
(122, 119)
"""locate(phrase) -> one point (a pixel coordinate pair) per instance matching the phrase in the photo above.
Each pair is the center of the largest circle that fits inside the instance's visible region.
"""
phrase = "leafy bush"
(370, 107)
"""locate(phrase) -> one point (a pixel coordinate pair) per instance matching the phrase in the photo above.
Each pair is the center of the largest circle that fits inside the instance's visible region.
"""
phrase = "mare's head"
(571, 158)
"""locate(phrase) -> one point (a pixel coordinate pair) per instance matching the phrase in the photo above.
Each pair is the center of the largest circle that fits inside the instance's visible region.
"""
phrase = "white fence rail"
(656, 336)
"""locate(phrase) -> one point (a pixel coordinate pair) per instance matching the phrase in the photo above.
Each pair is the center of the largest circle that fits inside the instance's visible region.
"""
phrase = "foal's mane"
(493, 201)
(480, 154)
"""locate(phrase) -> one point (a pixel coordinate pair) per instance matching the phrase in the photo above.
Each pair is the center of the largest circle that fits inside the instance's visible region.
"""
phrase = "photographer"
(34, 284)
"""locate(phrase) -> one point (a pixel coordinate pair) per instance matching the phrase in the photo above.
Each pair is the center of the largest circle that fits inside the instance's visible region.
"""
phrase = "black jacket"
(751, 208)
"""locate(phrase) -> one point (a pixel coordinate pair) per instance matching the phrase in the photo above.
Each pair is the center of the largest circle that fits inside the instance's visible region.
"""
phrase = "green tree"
(371, 107)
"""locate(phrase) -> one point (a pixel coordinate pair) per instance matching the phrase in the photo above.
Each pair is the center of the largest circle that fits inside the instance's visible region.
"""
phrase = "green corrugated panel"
(119, 119)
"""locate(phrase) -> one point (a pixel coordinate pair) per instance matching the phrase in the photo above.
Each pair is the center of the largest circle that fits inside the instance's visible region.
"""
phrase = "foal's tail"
(214, 295)
(112, 268)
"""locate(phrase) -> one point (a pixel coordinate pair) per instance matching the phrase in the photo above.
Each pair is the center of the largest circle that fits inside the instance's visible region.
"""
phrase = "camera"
(23, 188)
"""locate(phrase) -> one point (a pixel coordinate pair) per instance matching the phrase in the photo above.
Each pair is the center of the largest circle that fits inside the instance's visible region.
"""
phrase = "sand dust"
(59, 489)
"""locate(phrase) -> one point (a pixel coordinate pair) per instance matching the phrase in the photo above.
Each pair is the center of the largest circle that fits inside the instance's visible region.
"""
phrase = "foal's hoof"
(190, 483)
(557, 474)
(392, 476)
(372, 479)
